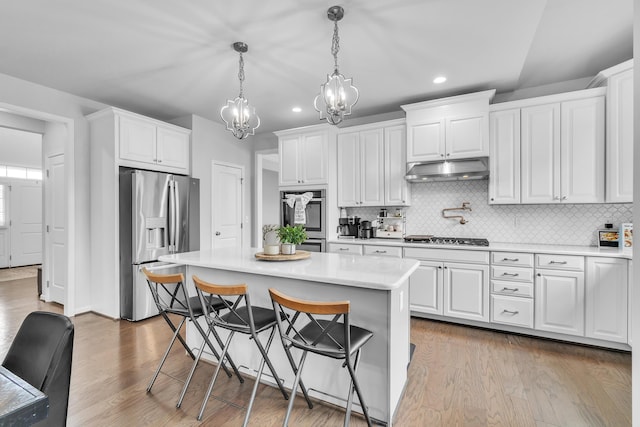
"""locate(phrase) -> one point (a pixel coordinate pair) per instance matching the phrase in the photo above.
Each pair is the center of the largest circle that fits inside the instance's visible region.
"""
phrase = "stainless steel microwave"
(316, 224)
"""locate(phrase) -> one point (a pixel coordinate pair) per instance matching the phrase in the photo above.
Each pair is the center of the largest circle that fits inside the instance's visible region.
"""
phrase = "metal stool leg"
(354, 384)
(287, 350)
(293, 389)
(193, 369)
(264, 352)
(215, 353)
(176, 333)
(215, 376)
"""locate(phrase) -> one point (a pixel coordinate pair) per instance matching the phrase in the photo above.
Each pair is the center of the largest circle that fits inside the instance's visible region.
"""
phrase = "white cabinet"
(371, 165)
(606, 299)
(466, 291)
(361, 168)
(504, 152)
(146, 143)
(345, 248)
(453, 283)
(396, 188)
(304, 155)
(381, 250)
(562, 151)
(512, 288)
(560, 294)
(425, 287)
(452, 128)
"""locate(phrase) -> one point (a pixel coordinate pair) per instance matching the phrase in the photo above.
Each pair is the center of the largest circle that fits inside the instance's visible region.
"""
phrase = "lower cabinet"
(606, 299)
(425, 287)
(345, 248)
(510, 310)
(559, 301)
(466, 291)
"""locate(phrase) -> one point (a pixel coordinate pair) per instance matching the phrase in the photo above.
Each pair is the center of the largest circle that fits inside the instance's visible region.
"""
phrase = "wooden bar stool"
(171, 297)
(242, 318)
(335, 338)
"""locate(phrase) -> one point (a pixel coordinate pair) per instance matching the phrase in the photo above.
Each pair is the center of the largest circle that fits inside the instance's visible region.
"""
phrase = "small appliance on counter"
(349, 227)
(366, 230)
(391, 226)
(608, 237)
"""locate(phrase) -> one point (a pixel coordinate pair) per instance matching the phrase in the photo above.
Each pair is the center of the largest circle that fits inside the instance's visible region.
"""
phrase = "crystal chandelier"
(337, 94)
(241, 118)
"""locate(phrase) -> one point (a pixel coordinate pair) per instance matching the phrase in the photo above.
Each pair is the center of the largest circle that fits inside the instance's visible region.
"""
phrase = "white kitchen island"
(378, 289)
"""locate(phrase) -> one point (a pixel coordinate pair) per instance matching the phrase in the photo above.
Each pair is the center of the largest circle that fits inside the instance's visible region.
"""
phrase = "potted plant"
(270, 240)
(290, 237)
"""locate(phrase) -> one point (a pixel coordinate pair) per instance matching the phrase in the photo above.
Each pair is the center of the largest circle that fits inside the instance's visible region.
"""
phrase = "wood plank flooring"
(459, 376)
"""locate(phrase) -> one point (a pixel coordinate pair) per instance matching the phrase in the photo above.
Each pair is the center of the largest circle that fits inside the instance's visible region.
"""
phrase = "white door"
(349, 169)
(313, 158)
(372, 168)
(606, 299)
(425, 287)
(288, 149)
(56, 217)
(465, 137)
(396, 191)
(504, 148)
(25, 207)
(4, 226)
(226, 206)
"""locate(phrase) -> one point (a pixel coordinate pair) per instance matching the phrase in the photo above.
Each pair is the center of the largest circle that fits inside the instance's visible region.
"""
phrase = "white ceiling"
(167, 58)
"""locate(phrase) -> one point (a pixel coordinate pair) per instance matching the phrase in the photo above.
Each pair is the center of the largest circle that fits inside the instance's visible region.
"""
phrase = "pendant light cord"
(241, 73)
(335, 45)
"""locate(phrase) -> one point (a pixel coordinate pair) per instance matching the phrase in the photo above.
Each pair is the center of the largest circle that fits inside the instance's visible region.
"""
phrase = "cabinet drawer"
(342, 248)
(393, 251)
(517, 274)
(453, 255)
(512, 258)
(512, 311)
(563, 262)
(518, 289)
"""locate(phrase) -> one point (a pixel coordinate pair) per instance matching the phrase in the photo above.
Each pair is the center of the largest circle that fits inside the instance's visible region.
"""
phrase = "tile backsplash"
(561, 224)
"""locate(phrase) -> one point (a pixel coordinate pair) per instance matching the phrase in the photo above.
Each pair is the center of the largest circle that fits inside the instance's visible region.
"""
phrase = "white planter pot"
(271, 249)
(288, 249)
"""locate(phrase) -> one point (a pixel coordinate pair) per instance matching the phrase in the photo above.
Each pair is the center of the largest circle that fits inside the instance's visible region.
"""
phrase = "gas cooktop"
(429, 239)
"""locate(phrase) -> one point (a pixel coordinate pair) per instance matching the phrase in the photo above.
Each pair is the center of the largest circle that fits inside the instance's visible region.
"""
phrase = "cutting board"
(282, 257)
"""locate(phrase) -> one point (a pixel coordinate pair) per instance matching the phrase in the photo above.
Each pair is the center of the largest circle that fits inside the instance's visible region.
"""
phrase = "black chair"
(171, 297)
(335, 338)
(41, 354)
(242, 318)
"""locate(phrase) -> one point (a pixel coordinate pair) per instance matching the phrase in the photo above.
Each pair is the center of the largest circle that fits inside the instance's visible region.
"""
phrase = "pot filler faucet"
(465, 207)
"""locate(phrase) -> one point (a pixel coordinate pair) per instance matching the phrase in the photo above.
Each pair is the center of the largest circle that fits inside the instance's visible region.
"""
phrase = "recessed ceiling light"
(439, 79)
(296, 109)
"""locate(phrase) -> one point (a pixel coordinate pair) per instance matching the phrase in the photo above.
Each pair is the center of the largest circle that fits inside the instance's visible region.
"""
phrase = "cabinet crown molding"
(486, 95)
(601, 78)
(120, 112)
(304, 129)
(549, 99)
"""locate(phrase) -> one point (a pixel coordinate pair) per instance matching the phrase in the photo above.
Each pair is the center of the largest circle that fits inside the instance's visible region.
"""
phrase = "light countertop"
(381, 273)
(502, 247)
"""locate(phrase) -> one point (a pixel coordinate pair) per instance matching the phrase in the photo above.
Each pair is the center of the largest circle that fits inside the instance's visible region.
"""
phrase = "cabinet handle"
(539, 275)
(440, 267)
(441, 155)
(513, 313)
(381, 252)
(510, 289)
(564, 197)
(159, 160)
(448, 154)
(511, 259)
(511, 274)
(343, 249)
(558, 262)
(492, 199)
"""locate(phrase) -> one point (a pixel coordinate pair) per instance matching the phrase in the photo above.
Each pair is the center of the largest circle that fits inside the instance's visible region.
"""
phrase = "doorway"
(267, 200)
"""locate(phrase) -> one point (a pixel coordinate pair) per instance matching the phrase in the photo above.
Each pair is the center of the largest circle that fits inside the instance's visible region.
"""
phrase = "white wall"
(20, 148)
(211, 141)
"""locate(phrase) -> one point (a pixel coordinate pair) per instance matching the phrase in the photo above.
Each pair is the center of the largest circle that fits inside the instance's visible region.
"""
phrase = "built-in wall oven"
(316, 215)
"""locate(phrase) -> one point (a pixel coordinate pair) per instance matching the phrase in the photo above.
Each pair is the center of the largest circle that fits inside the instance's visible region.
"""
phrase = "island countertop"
(372, 272)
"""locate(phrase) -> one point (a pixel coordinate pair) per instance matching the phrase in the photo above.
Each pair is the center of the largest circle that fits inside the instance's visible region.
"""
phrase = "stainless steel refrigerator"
(159, 215)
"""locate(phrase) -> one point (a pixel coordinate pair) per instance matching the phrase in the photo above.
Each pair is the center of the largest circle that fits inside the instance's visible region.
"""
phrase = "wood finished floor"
(459, 377)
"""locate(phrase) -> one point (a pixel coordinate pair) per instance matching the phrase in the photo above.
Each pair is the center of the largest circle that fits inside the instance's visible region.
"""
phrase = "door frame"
(68, 151)
(215, 163)
(257, 220)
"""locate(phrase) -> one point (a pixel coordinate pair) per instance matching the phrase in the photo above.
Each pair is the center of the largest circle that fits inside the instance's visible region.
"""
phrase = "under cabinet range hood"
(448, 170)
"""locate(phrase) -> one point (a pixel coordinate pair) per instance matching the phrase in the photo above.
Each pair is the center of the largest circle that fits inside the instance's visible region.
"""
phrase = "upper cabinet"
(449, 128)
(548, 149)
(304, 154)
(619, 118)
(142, 142)
(372, 165)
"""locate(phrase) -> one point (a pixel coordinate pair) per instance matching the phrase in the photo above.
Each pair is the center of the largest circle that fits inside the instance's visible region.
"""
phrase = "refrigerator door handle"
(177, 216)
(172, 217)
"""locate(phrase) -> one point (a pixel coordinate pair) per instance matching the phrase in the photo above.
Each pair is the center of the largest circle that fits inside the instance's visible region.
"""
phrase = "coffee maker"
(366, 230)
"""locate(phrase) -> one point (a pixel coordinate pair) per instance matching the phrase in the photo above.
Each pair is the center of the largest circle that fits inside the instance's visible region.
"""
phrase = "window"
(20, 172)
